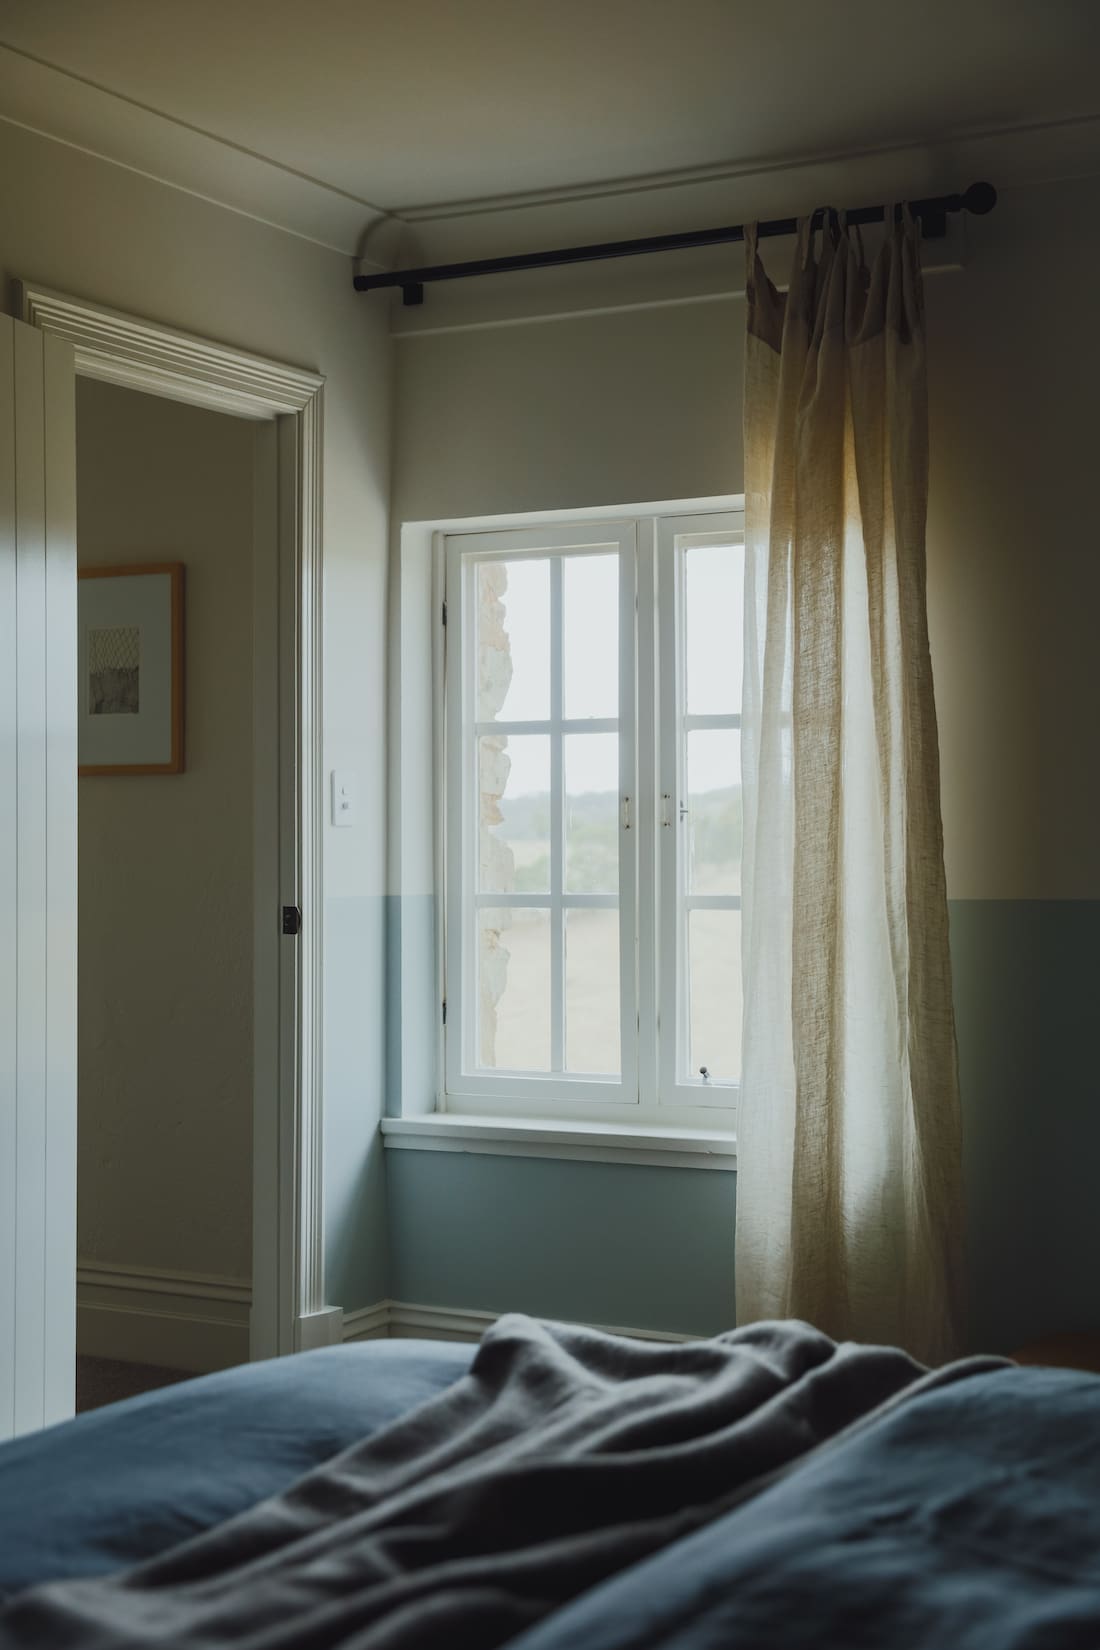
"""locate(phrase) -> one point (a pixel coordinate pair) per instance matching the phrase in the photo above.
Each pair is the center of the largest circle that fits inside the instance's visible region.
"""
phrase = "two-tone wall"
(628, 405)
(637, 404)
(1014, 587)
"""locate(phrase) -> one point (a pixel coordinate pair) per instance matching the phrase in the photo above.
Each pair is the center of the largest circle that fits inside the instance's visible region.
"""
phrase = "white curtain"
(848, 1193)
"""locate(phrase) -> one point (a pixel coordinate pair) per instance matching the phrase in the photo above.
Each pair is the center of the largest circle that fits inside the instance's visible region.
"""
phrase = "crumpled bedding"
(561, 1459)
(964, 1518)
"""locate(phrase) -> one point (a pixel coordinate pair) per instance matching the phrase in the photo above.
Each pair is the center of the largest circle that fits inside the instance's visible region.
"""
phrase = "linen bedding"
(572, 1489)
(119, 1484)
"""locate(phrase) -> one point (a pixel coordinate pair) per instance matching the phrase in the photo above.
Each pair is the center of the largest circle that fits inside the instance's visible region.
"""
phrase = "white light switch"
(343, 797)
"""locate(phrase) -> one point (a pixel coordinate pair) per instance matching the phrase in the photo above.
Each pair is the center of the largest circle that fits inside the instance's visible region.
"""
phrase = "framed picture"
(130, 711)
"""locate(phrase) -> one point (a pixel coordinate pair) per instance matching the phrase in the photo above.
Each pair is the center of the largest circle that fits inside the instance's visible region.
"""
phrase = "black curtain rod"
(979, 198)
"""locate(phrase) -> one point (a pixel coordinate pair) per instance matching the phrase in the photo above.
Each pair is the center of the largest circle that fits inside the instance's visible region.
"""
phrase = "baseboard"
(436, 1323)
(403, 1320)
(182, 1320)
(368, 1323)
(192, 1321)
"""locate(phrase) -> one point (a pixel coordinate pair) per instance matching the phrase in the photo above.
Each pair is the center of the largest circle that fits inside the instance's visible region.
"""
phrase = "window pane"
(714, 810)
(590, 600)
(513, 1000)
(714, 980)
(513, 640)
(514, 813)
(592, 991)
(714, 622)
(591, 813)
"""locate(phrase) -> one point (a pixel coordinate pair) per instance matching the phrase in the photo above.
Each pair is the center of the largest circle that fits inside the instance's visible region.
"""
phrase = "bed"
(558, 1489)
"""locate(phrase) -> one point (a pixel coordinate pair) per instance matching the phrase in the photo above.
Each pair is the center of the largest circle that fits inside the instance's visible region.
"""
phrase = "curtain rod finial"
(980, 198)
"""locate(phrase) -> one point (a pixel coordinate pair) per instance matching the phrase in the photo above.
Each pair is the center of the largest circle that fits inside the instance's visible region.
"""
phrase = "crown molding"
(1051, 137)
(1013, 157)
(63, 107)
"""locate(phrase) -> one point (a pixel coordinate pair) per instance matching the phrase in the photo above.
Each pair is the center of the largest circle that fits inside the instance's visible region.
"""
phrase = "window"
(592, 818)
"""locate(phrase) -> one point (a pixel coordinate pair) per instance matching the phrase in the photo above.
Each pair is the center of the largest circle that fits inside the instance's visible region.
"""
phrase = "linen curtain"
(849, 1150)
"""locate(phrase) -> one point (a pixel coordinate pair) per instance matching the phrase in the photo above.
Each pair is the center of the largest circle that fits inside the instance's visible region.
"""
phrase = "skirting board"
(199, 1323)
(142, 1315)
(400, 1320)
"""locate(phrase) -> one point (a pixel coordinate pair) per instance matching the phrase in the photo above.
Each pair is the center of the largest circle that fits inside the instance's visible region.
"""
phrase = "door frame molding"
(289, 1310)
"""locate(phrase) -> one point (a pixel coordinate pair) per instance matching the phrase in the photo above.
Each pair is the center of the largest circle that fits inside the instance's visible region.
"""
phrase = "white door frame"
(37, 879)
(288, 1300)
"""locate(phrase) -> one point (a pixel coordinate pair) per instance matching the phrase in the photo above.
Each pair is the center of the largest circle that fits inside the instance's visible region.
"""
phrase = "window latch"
(626, 813)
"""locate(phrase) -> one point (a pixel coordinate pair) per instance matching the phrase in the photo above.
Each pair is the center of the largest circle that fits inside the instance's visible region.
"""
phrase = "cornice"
(54, 104)
(63, 107)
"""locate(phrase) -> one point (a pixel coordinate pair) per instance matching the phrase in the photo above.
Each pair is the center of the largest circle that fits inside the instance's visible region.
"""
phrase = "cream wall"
(1014, 569)
(74, 222)
(165, 921)
(645, 404)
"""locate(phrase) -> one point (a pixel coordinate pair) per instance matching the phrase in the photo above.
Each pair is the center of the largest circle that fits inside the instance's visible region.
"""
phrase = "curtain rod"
(979, 199)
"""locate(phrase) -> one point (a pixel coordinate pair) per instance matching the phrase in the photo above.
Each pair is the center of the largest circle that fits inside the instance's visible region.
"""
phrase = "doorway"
(286, 1309)
(165, 893)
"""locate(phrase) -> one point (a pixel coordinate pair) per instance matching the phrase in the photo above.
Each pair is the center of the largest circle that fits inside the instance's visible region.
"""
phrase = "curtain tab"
(751, 237)
(856, 236)
(833, 222)
(903, 224)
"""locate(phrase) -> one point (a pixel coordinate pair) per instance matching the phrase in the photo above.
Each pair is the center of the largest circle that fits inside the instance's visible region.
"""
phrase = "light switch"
(343, 797)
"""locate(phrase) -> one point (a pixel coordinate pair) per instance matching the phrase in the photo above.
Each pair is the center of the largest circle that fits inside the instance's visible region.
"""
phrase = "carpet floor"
(102, 1381)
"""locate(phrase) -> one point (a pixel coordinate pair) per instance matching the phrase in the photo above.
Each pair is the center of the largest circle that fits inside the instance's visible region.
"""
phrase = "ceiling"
(407, 106)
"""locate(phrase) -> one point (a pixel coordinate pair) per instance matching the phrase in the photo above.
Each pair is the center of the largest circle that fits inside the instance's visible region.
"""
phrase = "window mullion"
(682, 987)
(648, 782)
(557, 823)
(669, 910)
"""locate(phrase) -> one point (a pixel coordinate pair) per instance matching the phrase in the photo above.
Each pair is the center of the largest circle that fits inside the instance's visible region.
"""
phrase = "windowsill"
(641, 1144)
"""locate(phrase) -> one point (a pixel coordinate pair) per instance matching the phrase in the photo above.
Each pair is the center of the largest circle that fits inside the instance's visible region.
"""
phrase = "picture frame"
(130, 671)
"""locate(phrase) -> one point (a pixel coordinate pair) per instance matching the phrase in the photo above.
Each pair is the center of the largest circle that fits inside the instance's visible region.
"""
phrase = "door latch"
(292, 919)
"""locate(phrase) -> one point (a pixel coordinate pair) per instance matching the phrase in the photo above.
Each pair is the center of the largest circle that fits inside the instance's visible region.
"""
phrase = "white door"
(37, 879)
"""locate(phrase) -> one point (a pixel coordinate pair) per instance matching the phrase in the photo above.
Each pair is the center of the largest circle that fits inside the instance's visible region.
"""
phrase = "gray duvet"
(562, 1458)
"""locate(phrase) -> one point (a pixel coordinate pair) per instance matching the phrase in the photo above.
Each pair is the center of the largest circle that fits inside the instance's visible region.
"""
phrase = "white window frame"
(463, 552)
(651, 1093)
(679, 1086)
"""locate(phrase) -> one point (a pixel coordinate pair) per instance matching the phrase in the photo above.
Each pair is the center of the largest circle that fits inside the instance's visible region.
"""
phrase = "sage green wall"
(629, 406)
(1027, 982)
(608, 1243)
